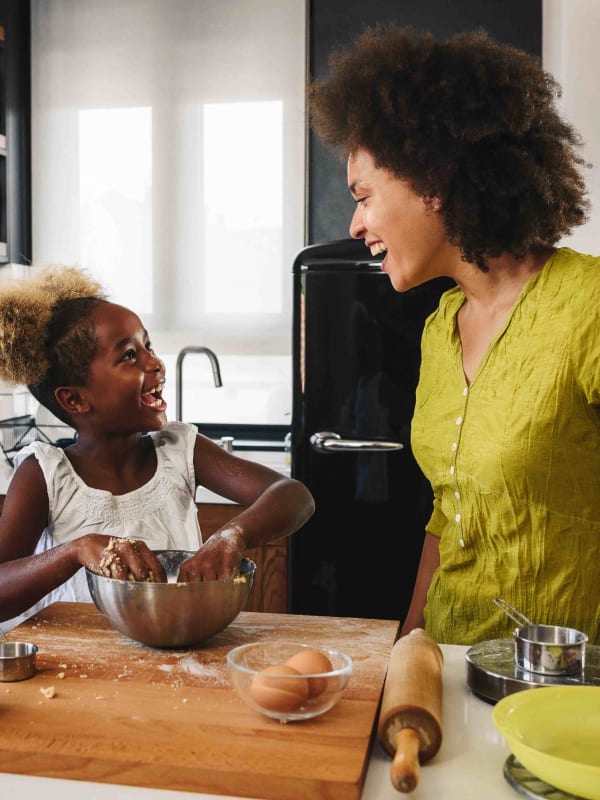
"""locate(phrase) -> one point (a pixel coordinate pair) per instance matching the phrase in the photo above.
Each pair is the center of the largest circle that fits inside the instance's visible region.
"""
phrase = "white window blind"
(168, 159)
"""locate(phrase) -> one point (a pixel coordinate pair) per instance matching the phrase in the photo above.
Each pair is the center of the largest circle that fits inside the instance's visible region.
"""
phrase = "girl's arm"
(26, 578)
(276, 506)
(430, 560)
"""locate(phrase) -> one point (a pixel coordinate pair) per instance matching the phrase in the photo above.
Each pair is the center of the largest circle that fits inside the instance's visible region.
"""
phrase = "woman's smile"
(393, 219)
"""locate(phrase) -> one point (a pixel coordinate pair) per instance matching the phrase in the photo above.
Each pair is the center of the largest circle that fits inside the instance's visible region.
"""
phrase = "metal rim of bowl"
(30, 650)
(247, 567)
(580, 638)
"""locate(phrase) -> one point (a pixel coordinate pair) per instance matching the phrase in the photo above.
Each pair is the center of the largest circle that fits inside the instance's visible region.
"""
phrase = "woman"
(461, 166)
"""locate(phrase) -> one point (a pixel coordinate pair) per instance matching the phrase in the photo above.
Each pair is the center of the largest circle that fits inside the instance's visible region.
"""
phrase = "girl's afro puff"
(26, 313)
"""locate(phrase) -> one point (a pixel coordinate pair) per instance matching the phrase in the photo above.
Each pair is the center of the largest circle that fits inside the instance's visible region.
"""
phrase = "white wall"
(571, 52)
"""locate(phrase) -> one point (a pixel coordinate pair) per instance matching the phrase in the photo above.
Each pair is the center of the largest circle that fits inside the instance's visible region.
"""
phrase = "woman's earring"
(437, 204)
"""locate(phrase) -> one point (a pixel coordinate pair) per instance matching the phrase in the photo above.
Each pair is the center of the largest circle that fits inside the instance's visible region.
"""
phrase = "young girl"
(127, 485)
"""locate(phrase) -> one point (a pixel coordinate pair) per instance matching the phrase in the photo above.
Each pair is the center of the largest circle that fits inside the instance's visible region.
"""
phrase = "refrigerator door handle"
(328, 442)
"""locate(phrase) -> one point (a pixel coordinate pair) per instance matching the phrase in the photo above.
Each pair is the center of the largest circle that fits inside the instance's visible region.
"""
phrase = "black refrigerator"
(356, 357)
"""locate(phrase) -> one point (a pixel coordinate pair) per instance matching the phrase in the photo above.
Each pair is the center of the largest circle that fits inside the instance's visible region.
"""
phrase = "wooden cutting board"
(125, 713)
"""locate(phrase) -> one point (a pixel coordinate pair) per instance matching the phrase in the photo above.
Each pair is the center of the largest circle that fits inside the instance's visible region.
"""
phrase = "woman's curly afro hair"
(47, 337)
(468, 121)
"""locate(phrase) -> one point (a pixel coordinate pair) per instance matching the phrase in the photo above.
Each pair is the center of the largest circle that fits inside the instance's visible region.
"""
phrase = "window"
(243, 207)
(168, 159)
(115, 201)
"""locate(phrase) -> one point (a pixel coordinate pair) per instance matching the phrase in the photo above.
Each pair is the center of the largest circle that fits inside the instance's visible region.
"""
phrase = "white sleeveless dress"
(162, 513)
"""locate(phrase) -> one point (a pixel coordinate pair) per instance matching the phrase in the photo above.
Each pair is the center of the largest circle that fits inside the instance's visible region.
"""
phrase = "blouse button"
(465, 391)
(461, 542)
(458, 420)
(457, 517)
(452, 470)
(457, 495)
(454, 446)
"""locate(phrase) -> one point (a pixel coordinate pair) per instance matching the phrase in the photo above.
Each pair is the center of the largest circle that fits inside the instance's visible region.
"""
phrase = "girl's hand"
(124, 559)
(218, 558)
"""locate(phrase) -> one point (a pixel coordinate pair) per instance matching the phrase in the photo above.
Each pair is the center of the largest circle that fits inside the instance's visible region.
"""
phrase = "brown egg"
(271, 690)
(312, 662)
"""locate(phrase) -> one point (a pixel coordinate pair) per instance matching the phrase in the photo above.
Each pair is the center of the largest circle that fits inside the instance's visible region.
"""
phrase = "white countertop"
(275, 459)
(467, 767)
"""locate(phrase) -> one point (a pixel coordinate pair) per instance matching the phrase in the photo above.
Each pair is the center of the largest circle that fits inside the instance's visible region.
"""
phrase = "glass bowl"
(282, 692)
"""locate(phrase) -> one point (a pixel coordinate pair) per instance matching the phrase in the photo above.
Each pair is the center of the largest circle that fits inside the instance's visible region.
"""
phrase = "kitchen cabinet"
(334, 23)
(3, 244)
(15, 133)
(270, 591)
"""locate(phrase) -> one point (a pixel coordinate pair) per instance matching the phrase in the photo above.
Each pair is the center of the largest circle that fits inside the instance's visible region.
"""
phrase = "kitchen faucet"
(216, 370)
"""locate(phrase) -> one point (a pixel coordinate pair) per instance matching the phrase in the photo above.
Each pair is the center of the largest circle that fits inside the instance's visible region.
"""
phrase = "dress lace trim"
(168, 487)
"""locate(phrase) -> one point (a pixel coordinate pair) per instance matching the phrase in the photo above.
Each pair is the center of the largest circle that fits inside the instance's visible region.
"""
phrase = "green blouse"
(514, 460)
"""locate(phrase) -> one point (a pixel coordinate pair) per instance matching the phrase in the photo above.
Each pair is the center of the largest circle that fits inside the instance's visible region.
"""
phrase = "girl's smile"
(153, 397)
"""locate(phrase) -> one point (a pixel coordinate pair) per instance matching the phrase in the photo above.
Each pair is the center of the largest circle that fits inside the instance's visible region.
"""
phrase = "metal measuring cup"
(545, 649)
(17, 659)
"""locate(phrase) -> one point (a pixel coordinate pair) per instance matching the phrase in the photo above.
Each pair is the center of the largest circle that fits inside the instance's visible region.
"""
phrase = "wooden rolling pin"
(410, 720)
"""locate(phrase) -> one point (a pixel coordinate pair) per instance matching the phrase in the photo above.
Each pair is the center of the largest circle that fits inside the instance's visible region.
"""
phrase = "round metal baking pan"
(521, 779)
(492, 672)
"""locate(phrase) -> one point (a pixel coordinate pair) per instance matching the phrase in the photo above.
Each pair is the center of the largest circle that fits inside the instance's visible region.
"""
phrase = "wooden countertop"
(129, 714)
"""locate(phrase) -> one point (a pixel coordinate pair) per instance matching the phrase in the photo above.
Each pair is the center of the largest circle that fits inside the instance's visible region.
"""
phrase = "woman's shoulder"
(451, 300)
(581, 270)
(572, 284)
(447, 309)
(574, 259)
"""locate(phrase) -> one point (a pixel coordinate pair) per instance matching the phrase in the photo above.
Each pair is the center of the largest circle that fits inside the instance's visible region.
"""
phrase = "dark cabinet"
(335, 23)
(15, 133)
(270, 591)
(3, 243)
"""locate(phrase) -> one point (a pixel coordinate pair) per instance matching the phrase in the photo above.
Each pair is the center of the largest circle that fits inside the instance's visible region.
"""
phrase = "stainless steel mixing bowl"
(172, 614)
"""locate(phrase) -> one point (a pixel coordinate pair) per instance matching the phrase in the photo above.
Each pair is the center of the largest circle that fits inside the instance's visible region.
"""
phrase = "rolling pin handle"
(405, 766)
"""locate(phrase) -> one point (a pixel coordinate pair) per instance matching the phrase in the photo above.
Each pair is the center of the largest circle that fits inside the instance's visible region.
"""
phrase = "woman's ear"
(73, 399)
